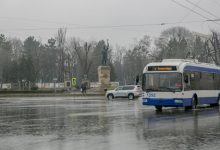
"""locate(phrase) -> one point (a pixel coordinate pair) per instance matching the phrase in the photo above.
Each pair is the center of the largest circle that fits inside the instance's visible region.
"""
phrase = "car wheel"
(110, 96)
(130, 96)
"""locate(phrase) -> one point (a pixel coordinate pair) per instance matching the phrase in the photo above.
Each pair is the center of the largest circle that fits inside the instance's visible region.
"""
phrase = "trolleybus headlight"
(178, 101)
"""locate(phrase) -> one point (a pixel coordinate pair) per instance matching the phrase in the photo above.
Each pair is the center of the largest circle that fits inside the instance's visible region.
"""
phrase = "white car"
(129, 91)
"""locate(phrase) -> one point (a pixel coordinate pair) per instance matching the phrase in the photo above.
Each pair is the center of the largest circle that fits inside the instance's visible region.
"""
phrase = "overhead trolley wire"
(105, 26)
(196, 5)
(207, 19)
(40, 20)
(188, 13)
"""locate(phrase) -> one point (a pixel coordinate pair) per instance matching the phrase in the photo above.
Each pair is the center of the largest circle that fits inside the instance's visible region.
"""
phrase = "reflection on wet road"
(96, 124)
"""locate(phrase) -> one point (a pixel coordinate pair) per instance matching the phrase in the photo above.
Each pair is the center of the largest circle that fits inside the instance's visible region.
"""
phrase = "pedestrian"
(137, 79)
(85, 86)
(82, 88)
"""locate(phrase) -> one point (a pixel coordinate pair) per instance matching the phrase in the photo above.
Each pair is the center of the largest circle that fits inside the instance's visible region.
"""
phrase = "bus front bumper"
(173, 102)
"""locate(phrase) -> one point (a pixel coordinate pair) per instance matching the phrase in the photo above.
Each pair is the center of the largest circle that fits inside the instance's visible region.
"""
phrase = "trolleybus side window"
(217, 81)
(187, 81)
(201, 80)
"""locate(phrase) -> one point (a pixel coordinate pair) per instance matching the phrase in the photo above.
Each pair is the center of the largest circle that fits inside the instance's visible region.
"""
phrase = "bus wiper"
(170, 89)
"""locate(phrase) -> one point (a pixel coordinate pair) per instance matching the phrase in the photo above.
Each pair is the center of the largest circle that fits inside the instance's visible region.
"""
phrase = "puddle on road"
(99, 125)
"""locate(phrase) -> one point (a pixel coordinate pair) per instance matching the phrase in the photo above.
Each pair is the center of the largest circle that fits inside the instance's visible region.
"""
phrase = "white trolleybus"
(180, 83)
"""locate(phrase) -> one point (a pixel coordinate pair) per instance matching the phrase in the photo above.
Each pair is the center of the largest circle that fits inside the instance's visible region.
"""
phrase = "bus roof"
(183, 64)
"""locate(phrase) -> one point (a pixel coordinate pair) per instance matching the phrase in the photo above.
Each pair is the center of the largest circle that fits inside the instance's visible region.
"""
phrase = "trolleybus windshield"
(162, 82)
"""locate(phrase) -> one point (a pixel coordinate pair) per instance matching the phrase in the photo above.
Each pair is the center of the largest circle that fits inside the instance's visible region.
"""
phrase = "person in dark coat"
(83, 88)
(137, 79)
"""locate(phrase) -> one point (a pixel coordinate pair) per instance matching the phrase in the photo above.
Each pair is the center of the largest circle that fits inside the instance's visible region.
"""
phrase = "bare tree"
(17, 48)
(83, 51)
(215, 51)
(135, 59)
(118, 61)
(173, 43)
(61, 39)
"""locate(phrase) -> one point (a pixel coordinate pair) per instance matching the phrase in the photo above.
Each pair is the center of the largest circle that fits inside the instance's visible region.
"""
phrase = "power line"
(41, 21)
(214, 20)
(80, 26)
(138, 25)
(208, 12)
(190, 9)
(109, 26)
(188, 13)
(207, 19)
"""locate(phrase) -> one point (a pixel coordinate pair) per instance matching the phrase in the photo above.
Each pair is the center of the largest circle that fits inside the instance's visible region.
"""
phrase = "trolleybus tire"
(218, 102)
(158, 108)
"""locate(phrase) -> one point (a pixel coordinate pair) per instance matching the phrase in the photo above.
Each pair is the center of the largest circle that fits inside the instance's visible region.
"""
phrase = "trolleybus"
(180, 83)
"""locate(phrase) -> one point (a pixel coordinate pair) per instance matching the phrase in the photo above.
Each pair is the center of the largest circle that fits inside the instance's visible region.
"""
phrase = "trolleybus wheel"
(218, 102)
(158, 108)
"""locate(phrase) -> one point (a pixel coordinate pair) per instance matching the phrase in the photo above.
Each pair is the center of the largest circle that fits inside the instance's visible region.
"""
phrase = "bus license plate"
(151, 94)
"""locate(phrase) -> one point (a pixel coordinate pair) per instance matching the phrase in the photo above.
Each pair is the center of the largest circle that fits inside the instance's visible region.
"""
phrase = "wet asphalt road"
(67, 123)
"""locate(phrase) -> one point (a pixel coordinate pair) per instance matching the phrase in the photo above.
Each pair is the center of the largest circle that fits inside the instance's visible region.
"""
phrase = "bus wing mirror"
(186, 80)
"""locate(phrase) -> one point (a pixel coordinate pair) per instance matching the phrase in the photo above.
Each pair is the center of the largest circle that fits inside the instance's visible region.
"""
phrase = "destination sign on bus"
(162, 68)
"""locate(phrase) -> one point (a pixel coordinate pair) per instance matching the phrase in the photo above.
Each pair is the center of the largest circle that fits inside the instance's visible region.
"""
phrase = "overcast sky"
(120, 21)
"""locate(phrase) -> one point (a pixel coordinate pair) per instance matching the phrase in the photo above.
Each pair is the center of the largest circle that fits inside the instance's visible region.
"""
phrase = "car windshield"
(164, 82)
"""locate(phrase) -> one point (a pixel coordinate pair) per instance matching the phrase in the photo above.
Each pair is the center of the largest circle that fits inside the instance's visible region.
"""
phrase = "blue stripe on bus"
(171, 102)
(208, 100)
(195, 68)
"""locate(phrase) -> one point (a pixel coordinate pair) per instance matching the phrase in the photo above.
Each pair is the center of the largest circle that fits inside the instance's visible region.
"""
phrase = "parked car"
(128, 91)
